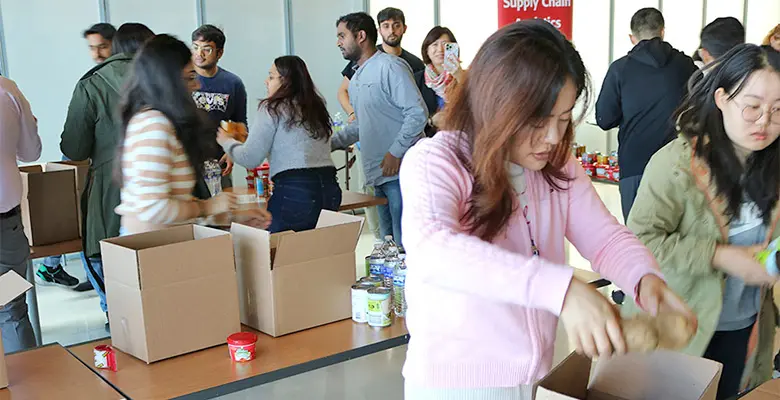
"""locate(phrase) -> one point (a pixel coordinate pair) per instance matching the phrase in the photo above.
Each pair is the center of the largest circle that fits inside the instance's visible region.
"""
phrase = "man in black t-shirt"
(392, 27)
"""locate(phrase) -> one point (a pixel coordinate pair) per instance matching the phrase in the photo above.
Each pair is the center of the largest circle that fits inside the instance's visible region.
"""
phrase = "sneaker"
(85, 286)
(55, 277)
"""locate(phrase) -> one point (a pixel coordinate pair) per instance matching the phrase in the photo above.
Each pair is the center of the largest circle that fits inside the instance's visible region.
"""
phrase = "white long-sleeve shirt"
(19, 140)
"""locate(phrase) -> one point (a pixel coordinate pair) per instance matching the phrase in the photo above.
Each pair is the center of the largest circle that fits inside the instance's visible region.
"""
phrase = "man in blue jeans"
(390, 114)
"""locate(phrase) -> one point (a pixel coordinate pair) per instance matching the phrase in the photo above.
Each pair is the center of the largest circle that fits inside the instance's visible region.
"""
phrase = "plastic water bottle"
(391, 262)
(399, 287)
(376, 261)
(213, 176)
(339, 122)
(389, 245)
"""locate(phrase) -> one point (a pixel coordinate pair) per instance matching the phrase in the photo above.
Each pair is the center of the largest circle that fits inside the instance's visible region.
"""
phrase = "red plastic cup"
(242, 346)
(105, 357)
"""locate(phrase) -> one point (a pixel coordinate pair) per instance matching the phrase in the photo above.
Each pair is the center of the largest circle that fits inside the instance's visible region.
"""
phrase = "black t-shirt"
(411, 59)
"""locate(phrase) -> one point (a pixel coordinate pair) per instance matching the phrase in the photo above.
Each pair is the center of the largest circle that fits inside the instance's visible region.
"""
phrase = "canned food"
(368, 265)
(379, 307)
(105, 357)
(360, 302)
(374, 281)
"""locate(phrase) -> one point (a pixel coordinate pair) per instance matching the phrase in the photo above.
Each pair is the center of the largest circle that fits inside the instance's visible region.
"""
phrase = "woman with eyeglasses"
(439, 76)
(709, 201)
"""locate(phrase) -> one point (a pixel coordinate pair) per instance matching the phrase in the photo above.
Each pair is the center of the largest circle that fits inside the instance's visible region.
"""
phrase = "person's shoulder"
(675, 157)
(146, 120)
(229, 76)
(442, 147)
(415, 62)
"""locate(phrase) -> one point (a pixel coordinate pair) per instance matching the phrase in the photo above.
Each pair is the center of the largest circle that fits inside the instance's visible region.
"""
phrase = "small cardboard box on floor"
(292, 281)
(659, 375)
(170, 292)
(11, 286)
(50, 212)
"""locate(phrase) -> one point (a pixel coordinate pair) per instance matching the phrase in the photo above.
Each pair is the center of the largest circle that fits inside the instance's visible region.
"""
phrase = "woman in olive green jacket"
(708, 202)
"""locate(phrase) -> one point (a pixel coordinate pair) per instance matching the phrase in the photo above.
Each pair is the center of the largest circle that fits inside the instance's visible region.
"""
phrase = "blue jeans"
(390, 214)
(97, 265)
(300, 195)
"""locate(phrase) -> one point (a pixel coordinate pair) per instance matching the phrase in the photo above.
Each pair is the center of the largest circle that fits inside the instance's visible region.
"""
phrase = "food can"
(242, 346)
(360, 302)
(105, 357)
(379, 307)
(368, 265)
(374, 281)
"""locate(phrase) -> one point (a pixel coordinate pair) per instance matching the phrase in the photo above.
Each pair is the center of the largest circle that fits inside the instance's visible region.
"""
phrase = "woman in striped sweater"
(162, 153)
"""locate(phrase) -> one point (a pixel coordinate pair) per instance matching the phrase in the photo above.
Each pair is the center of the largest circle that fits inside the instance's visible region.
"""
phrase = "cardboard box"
(11, 286)
(294, 281)
(50, 212)
(170, 292)
(659, 375)
(82, 169)
(768, 391)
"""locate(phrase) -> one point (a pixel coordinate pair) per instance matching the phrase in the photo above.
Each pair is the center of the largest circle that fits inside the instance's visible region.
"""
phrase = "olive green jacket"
(92, 132)
(679, 217)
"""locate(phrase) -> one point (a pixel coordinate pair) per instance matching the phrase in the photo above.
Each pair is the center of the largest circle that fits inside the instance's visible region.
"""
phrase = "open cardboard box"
(768, 391)
(170, 292)
(11, 286)
(659, 375)
(292, 281)
(50, 212)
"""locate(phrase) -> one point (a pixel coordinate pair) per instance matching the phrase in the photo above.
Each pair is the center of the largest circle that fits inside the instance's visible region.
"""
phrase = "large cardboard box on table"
(49, 203)
(659, 375)
(768, 391)
(81, 169)
(170, 292)
(11, 286)
(292, 281)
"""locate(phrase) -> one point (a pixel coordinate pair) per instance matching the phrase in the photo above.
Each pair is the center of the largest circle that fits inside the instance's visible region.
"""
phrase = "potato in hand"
(644, 333)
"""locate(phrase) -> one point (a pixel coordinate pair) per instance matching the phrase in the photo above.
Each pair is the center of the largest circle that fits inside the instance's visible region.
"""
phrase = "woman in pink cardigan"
(487, 206)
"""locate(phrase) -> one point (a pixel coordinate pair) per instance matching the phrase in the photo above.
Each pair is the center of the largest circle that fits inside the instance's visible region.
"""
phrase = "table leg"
(32, 304)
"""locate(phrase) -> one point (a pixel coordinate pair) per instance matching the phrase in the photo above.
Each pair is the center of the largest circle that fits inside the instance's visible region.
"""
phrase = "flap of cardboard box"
(331, 239)
(768, 391)
(31, 169)
(568, 380)
(163, 256)
(12, 286)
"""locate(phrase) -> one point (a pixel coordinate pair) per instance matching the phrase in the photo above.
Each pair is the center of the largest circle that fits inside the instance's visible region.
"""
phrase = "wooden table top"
(210, 372)
(349, 200)
(52, 373)
(72, 246)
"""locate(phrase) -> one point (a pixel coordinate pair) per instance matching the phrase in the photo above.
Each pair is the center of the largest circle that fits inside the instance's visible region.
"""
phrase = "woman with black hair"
(709, 201)
(162, 154)
(439, 76)
(292, 129)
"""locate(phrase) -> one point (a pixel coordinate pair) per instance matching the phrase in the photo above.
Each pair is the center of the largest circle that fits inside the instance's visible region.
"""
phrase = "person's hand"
(438, 119)
(351, 117)
(221, 203)
(390, 165)
(257, 218)
(222, 136)
(452, 65)
(591, 322)
(740, 261)
(228, 164)
(655, 297)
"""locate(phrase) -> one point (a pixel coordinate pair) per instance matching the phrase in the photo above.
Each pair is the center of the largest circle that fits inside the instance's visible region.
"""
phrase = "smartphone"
(451, 49)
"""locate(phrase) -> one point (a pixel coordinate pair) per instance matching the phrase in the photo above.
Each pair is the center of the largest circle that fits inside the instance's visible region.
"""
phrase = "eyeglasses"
(754, 113)
(205, 50)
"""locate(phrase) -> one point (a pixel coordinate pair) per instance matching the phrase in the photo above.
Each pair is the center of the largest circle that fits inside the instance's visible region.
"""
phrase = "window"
(471, 25)
(762, 16)
(419, 20)
(683, 24)
(726, 8)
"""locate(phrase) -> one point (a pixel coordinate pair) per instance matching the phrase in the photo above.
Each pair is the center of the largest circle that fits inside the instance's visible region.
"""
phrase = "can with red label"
(105, 357)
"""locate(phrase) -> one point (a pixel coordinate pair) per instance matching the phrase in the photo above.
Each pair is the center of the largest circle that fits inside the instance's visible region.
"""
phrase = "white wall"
(174, 17)
(470, 25)
(46, 56)
(419, 20)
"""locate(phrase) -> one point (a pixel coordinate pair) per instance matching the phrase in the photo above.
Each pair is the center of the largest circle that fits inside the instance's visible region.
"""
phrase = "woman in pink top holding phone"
(488, 204)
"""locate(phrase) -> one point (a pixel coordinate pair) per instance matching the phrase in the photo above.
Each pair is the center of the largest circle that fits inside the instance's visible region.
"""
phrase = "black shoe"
(85, 286)
(55, 277)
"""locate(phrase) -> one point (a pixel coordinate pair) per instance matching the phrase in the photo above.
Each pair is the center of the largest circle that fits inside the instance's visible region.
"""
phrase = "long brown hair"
(299, 99)
(511, 86)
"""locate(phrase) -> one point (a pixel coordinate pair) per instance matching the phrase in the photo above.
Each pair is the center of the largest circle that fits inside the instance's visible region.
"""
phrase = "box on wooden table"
(11, 286)
(50, 212)
(292, 281)
(659, 375)
(170, 292)
(767, 391)
(82, 169)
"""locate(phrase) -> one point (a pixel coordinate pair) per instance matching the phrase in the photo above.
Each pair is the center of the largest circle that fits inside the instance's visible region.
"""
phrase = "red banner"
(556, 12)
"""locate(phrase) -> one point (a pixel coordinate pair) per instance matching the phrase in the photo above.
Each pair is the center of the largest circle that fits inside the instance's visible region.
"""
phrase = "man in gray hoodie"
(390, 111)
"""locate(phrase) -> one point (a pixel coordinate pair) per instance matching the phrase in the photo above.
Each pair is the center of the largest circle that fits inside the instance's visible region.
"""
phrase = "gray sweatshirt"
(390, 111)
(285, 149)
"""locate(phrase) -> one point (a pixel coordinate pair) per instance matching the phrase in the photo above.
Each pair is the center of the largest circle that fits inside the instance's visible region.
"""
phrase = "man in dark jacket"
(91, 132)
(640, 93)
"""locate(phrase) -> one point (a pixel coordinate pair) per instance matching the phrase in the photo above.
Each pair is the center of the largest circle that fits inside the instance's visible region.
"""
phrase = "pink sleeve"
(612, 249)
(438, 247)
